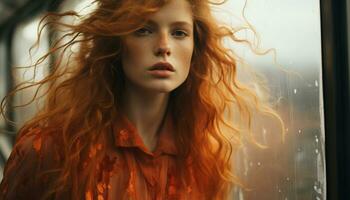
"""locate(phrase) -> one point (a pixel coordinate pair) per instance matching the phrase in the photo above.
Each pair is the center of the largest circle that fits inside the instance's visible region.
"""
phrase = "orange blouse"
(128, 171)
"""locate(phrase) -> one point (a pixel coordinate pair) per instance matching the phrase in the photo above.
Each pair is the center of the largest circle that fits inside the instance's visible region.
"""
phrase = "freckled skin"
(142, 48)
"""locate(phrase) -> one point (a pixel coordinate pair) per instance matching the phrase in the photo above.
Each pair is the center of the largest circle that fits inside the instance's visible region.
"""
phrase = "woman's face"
(166, 38)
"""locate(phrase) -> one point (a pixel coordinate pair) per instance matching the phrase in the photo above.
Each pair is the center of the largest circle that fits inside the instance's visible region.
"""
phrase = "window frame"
(334, 28)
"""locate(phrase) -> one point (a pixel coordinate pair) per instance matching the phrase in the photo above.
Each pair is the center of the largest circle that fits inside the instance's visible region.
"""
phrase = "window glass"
(295, 168)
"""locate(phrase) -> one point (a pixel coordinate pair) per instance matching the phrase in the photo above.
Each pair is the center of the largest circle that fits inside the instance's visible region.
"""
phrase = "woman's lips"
(162, 66)
(161, 69)
(160, 73)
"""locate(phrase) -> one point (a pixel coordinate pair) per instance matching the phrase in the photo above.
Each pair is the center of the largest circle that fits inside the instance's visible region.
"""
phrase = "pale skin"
(167, 37)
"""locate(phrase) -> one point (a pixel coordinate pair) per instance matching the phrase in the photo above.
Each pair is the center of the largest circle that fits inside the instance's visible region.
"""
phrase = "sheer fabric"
(128, 169)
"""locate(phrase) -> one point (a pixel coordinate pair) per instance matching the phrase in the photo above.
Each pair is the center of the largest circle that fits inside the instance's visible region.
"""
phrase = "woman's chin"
(161, 89)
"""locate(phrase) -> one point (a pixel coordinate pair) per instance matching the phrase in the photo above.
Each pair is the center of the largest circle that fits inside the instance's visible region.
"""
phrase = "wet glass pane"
(295, 168)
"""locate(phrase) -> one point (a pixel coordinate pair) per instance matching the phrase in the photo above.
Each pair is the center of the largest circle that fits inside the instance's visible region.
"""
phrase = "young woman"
(139, 112)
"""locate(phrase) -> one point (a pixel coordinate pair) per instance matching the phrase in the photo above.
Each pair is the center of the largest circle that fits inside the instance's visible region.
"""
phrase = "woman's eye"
(143, 31)
(179, 33)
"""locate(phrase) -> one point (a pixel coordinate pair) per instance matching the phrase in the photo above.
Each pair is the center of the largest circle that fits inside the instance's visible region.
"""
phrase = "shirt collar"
(126, 135)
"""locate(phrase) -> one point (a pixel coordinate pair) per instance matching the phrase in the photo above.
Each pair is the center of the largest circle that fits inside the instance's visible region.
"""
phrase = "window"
(294, 169)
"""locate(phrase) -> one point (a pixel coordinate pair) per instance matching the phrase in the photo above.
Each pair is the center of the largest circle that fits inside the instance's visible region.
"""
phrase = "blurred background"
(293, 169)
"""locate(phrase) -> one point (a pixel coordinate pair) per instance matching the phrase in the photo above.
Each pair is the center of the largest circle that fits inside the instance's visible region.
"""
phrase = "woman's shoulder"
(36, 141)
(35, 151)
(36, 145)
(27, 148)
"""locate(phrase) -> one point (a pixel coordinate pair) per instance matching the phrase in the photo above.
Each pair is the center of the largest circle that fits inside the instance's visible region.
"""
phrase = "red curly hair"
(82, 96)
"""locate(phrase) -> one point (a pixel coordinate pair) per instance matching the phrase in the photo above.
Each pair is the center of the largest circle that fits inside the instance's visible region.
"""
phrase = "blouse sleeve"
(20, 178)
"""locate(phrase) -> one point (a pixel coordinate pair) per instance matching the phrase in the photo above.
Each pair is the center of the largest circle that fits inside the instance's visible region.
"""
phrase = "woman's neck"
(146, 111)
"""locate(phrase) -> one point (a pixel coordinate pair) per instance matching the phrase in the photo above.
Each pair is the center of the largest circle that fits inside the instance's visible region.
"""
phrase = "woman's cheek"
(140, 51)
(186, 56)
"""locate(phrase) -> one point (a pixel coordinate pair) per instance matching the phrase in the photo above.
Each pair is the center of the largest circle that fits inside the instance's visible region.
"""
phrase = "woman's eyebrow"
(182, 23)
(175, 23)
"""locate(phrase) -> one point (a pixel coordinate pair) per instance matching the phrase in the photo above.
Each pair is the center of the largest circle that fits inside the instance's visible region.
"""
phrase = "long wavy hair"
(82, 96)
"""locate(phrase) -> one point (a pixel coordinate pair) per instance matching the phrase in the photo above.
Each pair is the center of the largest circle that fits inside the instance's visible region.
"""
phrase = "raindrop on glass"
(316, 151)
(295, 91)
(317, 190)
(316, 83)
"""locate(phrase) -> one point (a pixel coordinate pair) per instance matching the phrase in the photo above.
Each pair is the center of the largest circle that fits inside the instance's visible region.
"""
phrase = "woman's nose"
(162, 46)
